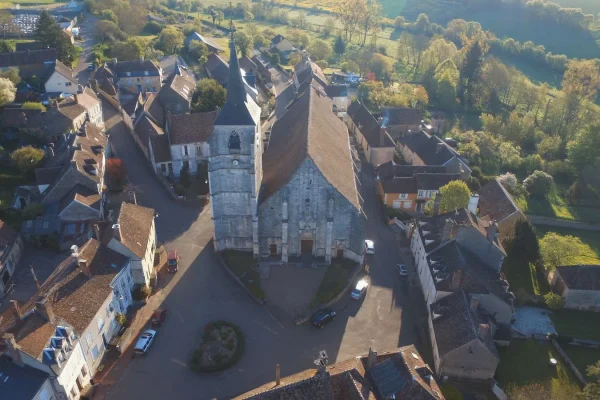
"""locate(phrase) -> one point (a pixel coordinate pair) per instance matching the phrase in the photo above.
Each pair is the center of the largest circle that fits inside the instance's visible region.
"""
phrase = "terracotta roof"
(456, 324)
(309, 129)
(369, 127)
(135, 223)
(83, 195)
(89, 147)
(132, 105)
(88, 99)
(191, 128)
(580, 277)
(160, 148)
(103, 72)
(65, 71)
(402, 116)
(28, 57)
(495, 202)
(32, 334)
(144, 128)
(107, 86)
(218, 68)
(434, 181)
(70, 108)
(183, 86)
(7, 235)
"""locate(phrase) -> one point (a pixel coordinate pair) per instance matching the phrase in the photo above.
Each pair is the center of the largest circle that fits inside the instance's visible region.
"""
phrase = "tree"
(49, 35)
(553, 301)
(243, 42)
(349, 66)
(339, 46)
(198, 50)
(381, 66)
(328, 26)
(510, 155)
(524, 242)
(252, 30)
(170, 39)
(5, 47)
(12, 74)
(32, 211)
(219, 16)
(583, 150)
(108, 15)
(109, 31)
(31, 105)
(581, 79)
(129, 50)
(539, 184)
(370, 19)
(208, 96)
(557, 250)
(349, 13)
(153, 28)
(184, 176)
(7, 91)
(455, 195)
(27, 158)
(319, 50)
(116, 170)
(592, 389)
(275, 59)
(470, 74)
(259, 41)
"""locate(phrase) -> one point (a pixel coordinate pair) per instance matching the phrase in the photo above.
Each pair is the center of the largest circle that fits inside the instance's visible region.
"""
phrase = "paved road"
(201, 291)
(562, 223)
(86, 31)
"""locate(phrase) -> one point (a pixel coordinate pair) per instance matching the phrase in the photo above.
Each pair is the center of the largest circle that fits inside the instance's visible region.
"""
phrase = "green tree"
(553, 301)
(243, 43)
(5, 47)
(31, 105)
(524, 242)
(381, 66)
(153, 28)
(7, 91)
(208, 96)
(539, 184)
(557, 250)
(319, 50)
(219, 16)
(328, 26)
(108, 15)
(129, 50)
(275, 59)
(32, 211)
(259, 41)
(470, 74)
(583, 150)
(49, 35)
(170, 39)
(12, 74)
(455, 195)
(27, 158)
(199, 51)
(350, 66)
(592, 389)
(339, 46)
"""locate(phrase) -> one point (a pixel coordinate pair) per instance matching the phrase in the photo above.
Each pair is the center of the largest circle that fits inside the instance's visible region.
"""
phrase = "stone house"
(160, 155)
(462, 339)
(134, 235)
(61, 80)
(25, 382)
(282, 45)
(496, 204)
(300, 197)
(141, 76)
(11, 249)
(373, 138)
(400, 121)
(579, 286)
(401, 374)
(79, 210)
(420, 148)
(188, 140)
(144, 128)
(176, 95)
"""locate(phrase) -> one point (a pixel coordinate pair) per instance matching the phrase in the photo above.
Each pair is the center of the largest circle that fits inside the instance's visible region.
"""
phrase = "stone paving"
(533, 321)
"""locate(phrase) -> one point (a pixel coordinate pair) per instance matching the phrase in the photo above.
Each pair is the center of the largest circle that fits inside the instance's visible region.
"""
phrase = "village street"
(201, 291)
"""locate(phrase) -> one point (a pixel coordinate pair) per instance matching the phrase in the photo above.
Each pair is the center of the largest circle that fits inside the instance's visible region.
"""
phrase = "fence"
(569, 363)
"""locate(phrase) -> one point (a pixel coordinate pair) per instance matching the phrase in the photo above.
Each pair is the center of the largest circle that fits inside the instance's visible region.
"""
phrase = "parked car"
(144, 342)
(323, 317)
(402, 270)
(369, 246)
(159, 316)
(90, 67)
(360, 289)
(172, 261)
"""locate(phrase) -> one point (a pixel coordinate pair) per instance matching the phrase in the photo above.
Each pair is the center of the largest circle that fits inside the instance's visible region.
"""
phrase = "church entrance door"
(306, 246)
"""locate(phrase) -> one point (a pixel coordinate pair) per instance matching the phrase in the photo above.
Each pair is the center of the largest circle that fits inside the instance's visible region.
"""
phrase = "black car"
(322, 318)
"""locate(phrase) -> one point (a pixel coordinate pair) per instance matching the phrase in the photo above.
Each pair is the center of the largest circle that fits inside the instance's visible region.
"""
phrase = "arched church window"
(234, 141)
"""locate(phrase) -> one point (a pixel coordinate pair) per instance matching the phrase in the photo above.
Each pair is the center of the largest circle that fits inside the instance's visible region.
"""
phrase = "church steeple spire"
(236, 92)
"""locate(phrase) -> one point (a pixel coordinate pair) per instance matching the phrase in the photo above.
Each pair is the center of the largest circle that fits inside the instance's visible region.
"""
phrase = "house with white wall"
(61, 80)
(134, 235)
(11, 249)
(22, 382)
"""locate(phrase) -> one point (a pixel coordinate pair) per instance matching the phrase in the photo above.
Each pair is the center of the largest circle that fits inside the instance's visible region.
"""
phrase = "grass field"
(590, 238)
(526, 362)
(12, 4)
(582, 357)
(556, 206)
(576, 323)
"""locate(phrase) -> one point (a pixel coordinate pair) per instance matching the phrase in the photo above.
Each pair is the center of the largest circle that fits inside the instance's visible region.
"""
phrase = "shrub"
(539, 184)
(153, 28)
(509, 181)
(473, 184)
(553, 301)
(31, 105)
(27, 158)
(141, 292)
(121, 319)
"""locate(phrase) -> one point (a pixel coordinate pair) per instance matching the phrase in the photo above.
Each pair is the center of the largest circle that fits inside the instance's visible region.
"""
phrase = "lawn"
(589, 238)
(521, 275)
(556, 206)
(527, 362)
(244, 266)
(11, 4)
(582, 357)
(333, 282)
(576, 323)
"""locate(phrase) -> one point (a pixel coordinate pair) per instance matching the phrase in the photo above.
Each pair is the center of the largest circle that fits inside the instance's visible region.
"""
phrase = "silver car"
(144, 342)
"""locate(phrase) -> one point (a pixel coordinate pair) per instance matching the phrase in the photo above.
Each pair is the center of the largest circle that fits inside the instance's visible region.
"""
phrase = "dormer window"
(234, 142)
(146, 73)
(128, 73)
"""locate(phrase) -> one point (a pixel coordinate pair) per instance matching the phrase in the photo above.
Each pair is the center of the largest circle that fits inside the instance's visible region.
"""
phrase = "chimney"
(492, 231)
(484, 330)
(76, 98)
(457, 278)
(474, 303)
(473, 203)
(44, 307)
(436, 203)
(12, 348)
(277, 375)
(97, 232)
(85, 268)
(116, 228)
(447, 232)
(382, 133)
(439, 147)
(17, 309)
(371, 359)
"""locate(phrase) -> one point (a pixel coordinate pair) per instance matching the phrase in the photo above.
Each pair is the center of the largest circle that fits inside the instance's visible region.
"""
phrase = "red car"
(159, 316)
(172, 261)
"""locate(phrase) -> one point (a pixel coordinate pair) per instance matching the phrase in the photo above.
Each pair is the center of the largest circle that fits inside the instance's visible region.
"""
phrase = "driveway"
(201, 292)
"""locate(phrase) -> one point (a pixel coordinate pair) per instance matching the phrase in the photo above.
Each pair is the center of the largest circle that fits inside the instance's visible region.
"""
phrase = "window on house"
(198, 150)
(397, 204)
(68, 84)
(95, 352)
(163, 168)
(100, 323)
(185, 150)
(89, 338)
(73, 392)
(83, 371)
(404, 196)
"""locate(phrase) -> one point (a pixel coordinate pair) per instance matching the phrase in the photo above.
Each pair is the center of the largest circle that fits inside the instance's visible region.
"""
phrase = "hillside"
(588, 6)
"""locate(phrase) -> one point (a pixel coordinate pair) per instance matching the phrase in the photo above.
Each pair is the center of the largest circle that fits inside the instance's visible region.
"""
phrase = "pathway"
(562, 223)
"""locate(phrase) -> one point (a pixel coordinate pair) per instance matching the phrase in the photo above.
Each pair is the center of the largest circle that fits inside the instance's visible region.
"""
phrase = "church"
(297, 198)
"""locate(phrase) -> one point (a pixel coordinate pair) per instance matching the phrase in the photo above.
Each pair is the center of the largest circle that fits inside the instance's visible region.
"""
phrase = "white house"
(188, 139)
(61, 80)
(11, 249)
(134, 235)
(23, 382)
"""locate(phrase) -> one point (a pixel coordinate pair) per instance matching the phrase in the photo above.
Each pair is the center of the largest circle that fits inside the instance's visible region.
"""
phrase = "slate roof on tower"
(239, 108)
(309, 129)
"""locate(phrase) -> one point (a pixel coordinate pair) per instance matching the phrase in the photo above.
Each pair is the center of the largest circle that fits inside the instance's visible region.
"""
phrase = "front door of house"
(306, 246)
(273, 249)
(340, 253)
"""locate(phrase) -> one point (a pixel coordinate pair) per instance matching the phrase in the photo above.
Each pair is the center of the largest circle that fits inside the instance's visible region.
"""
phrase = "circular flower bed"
(221, 347)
